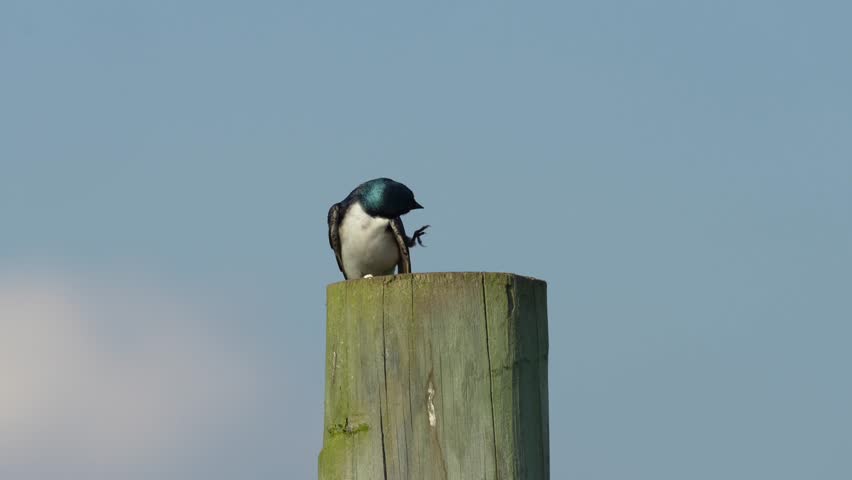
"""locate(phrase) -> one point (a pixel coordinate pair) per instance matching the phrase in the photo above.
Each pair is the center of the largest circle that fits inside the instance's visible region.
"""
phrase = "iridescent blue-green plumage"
(366, 233)
(383, 197)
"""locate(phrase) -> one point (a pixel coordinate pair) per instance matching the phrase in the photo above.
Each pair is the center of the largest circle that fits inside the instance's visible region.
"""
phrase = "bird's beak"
(416, 205)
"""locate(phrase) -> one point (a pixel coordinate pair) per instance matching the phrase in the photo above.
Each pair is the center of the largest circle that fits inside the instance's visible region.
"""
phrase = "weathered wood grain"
(436, 376)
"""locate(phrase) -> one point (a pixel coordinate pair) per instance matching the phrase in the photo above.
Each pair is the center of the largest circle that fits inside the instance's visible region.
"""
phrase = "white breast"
(366, 243)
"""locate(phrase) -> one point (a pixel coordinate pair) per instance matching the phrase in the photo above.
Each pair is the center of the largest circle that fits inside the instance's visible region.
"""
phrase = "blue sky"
(680, 173)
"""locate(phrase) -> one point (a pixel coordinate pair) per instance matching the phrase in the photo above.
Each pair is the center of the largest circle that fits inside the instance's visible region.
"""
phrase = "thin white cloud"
(110, 377)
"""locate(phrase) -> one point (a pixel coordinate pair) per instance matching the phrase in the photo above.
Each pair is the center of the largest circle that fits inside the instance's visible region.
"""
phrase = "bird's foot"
(416, 237)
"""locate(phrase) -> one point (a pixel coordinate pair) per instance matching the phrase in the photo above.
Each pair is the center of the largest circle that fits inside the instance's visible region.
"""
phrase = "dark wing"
(404, 243)
(404, 265)
(334, 214)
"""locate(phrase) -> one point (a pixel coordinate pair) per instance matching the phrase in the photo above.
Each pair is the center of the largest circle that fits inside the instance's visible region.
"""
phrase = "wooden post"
(436, 376)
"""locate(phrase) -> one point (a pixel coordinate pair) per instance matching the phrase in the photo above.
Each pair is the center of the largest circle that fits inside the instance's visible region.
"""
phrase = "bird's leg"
(415, 238)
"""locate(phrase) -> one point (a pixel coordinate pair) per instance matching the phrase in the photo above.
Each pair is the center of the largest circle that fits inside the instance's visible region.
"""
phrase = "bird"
(366, 232)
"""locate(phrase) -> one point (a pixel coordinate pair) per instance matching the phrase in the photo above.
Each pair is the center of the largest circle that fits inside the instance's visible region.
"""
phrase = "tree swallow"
(366, 233)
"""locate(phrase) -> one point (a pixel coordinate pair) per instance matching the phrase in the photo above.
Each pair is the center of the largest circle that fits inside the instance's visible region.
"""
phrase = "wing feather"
(334, 215)
(404, 264)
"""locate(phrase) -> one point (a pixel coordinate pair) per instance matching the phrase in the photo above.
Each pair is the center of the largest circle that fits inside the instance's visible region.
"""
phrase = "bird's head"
(386, 198)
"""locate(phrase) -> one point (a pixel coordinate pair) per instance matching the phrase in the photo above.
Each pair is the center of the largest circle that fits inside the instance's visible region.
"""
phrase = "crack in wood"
(385, 372)
(490, 370)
